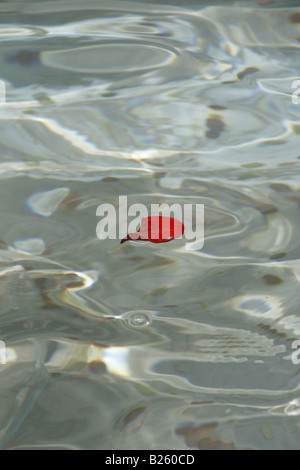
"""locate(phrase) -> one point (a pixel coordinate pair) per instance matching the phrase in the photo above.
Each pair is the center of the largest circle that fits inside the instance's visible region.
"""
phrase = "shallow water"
(151, 346)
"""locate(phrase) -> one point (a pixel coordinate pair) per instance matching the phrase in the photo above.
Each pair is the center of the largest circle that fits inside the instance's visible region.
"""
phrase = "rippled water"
(151, 346)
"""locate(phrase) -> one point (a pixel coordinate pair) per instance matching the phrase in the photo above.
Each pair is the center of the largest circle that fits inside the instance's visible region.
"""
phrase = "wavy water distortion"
(149, 345)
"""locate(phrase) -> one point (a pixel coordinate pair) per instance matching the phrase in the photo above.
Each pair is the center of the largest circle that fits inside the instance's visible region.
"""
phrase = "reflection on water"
(157, 346)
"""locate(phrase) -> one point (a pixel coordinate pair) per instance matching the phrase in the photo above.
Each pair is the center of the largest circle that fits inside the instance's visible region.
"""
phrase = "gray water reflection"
(156, 346)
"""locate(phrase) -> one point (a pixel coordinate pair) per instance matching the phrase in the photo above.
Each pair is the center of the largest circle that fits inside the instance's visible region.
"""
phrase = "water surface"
(151, 346)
